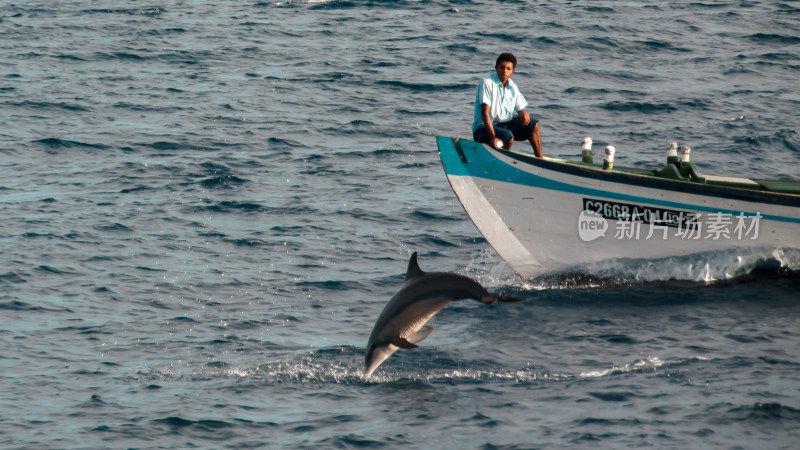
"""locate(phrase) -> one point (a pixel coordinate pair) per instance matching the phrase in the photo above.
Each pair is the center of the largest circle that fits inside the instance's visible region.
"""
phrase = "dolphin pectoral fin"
(489, 299)
(420, 335)
(403, 343)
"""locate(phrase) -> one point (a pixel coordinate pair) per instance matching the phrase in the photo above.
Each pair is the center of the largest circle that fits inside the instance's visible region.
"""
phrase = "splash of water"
(709, 267)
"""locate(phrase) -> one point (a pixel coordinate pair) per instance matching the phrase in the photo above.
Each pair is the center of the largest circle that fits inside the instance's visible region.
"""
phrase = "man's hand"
(524, 117)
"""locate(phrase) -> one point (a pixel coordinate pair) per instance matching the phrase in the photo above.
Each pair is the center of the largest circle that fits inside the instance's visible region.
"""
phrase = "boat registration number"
(640, 213)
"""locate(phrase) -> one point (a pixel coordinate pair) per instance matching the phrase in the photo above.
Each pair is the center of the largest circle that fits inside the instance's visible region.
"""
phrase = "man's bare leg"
(536, 141)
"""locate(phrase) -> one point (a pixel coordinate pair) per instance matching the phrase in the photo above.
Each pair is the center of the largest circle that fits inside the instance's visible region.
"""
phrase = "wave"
(587, 90)
(764, 413)
(169, 145)
(11, 277)
(35, 105)
(640, 107)
(660, 46)
(325, 5)
(711, 268)
(734, 265)
(64, 143)
(773, 39)
(53, 270)
(344, 365)
(648, 364)
(427, 87)
(128, 11)
(101, 56)
(420, 215)
(282, 144)
(18, 305)
(249, 207)
(147, 108)
(331, 285)
(222, 181)
(784, 138)
(205, 429)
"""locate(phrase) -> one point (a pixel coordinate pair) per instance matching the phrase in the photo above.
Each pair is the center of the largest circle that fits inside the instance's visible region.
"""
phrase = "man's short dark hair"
(506, 57)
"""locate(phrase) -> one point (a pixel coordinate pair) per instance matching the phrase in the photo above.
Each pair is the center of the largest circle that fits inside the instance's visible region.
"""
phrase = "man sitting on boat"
(500, 115)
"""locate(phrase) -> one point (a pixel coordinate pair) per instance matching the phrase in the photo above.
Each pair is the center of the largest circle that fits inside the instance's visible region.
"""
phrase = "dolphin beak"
(378, 356)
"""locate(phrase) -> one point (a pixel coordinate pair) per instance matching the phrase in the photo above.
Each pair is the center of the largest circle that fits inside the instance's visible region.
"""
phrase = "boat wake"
(705, 267)
(728, 266)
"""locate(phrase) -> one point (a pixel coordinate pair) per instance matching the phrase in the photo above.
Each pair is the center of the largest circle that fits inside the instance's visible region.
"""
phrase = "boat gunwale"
(652, 181)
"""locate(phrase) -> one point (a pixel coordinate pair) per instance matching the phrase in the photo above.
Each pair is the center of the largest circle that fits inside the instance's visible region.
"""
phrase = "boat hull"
(544, 216)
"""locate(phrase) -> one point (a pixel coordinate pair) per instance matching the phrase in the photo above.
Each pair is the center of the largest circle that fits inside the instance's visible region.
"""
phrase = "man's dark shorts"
(505, 131)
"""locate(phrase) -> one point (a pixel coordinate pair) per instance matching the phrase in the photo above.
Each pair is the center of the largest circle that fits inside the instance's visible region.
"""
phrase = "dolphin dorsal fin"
(413, 268)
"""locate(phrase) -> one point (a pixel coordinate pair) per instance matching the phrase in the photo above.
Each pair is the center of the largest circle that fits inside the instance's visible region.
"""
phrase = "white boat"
(548, 215)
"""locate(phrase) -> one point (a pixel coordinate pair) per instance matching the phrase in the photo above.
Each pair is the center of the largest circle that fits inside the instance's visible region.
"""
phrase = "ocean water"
(205, 206)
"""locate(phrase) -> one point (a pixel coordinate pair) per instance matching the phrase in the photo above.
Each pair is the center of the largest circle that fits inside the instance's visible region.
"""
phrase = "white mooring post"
(672, 153)
(586, 150)
(608, 164)
(686, 154)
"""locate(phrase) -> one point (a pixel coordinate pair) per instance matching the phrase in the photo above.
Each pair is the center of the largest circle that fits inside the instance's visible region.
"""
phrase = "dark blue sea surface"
(204, 206)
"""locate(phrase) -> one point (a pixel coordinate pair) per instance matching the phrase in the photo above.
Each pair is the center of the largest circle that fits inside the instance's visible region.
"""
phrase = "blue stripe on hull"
(483, 164)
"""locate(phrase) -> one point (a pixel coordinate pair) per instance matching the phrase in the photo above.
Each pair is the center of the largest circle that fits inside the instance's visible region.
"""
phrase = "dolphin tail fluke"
(502, 298)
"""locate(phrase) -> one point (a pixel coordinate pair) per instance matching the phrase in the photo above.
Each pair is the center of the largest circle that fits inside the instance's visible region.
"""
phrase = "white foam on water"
(702, 267)
(491, 271)
(648, 364)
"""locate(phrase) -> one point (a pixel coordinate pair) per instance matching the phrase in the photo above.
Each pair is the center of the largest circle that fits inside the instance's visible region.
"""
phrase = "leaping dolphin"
(421, 297)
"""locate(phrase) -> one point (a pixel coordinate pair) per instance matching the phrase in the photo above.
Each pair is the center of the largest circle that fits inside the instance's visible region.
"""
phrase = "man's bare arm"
(486, 115)
(524, 117)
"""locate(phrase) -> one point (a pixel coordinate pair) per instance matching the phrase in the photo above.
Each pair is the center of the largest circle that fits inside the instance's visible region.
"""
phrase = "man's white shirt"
(504, 101)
